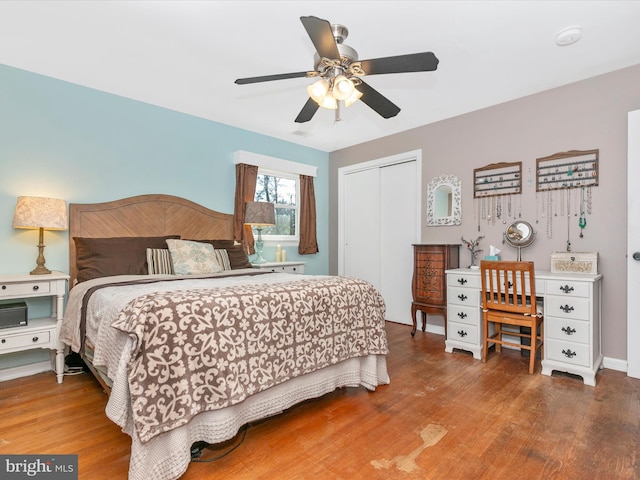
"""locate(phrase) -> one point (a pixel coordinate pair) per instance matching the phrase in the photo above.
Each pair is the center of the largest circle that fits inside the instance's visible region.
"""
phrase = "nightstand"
(286, 267)
(39, 332)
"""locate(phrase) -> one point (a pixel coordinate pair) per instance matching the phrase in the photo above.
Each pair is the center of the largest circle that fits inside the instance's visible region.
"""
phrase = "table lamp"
(258, 215)
(41, 213)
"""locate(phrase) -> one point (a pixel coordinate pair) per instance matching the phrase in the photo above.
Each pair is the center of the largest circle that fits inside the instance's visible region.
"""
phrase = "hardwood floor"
(444, 416)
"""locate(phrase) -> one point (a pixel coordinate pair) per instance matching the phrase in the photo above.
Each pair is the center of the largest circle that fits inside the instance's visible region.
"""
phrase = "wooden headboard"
(145, 216)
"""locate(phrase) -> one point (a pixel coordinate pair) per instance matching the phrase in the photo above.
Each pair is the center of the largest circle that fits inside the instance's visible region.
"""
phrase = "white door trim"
(413, 155)
(633, 245)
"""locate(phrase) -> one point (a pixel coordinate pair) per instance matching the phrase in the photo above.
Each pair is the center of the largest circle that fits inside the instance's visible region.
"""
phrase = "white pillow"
(192, 258)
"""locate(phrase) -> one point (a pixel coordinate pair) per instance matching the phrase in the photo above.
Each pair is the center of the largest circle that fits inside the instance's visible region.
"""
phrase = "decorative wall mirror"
(444, 201)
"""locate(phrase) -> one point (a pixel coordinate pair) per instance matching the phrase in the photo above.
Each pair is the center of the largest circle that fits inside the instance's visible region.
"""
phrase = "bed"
(194, 355)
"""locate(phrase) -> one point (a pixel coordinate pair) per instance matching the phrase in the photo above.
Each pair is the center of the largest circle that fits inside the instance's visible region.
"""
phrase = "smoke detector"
(568, 36)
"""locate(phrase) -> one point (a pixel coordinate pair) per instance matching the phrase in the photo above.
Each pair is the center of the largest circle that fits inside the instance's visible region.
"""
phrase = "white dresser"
(572, 304)
(286, 267)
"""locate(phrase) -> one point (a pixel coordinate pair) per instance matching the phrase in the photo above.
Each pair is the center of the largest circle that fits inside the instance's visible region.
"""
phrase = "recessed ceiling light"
(568, 36)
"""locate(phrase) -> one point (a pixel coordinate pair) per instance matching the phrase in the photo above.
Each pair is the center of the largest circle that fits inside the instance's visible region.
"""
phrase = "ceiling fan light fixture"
(318, 90)
(353, 98)
(329, 102)
(342, 88)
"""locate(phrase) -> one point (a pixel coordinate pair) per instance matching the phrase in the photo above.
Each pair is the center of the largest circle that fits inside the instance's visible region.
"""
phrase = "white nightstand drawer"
(13, 290)
(33, 339)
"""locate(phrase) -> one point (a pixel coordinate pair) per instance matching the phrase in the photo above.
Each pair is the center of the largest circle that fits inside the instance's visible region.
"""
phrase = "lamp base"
(259, 244)
(40, 270)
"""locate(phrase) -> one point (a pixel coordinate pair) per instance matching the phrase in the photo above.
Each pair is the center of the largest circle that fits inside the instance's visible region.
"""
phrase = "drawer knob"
(35, 287)
(4, 287)
(462, 297)
(566, 289)
(34, 339)
(568, 353)
(569, 330)
(462, 281)
(462, 333)
(566, 308)
(462, 315)
(4, 340)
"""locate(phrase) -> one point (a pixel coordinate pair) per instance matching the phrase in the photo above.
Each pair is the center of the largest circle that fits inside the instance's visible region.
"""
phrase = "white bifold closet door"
(379, 224)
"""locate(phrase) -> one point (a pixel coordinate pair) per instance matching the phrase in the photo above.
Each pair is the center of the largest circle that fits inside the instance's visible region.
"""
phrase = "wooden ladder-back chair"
(509, 298)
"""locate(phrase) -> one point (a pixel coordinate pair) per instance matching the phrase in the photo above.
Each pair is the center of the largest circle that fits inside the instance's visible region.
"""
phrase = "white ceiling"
(185, 55)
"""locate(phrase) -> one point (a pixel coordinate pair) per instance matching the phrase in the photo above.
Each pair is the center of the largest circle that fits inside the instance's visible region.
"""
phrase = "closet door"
(633, 242)
(362, 225)
(398, 209)
(379, 225)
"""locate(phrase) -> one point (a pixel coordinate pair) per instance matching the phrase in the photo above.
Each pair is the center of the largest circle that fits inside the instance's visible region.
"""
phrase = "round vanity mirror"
(519, 234)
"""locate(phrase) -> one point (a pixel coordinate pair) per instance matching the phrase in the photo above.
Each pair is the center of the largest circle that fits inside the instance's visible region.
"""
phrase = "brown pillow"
(237, 256)
(103, 257)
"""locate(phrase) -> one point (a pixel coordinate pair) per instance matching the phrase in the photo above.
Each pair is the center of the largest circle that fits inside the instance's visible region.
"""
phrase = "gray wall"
(591, 114)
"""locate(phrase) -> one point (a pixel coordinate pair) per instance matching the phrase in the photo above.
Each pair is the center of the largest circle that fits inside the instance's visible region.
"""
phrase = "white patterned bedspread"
(161, 442)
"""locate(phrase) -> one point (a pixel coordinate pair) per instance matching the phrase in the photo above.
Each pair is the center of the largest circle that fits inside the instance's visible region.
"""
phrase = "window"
(283, 190)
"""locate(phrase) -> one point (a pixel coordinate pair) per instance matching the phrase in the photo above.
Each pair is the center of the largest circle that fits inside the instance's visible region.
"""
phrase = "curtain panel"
(246, 176)
(308, 239)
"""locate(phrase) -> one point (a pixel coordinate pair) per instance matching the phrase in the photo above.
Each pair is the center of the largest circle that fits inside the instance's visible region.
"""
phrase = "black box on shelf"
(13, 315)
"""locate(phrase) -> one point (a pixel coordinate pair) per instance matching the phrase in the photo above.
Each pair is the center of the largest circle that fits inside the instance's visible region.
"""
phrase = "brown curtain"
(308, 241)
(246, 176)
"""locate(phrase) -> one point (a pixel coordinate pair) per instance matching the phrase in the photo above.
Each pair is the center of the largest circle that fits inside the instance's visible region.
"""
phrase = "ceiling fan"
(341, 72)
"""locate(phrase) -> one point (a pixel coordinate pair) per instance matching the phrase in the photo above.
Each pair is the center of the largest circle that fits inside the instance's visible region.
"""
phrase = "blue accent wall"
(62, 140)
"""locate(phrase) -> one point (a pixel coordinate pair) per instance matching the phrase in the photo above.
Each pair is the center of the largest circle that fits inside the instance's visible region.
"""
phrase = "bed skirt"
(167, 456)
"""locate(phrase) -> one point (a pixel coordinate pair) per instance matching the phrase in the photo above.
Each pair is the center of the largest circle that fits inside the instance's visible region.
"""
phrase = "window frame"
(283, 239)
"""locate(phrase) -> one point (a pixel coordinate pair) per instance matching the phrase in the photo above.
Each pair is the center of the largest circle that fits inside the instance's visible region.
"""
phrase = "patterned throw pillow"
(159, 261)
(192, 258)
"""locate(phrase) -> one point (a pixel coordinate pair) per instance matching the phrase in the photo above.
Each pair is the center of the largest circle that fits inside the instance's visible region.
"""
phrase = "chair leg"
(485, 336)
(533, 341)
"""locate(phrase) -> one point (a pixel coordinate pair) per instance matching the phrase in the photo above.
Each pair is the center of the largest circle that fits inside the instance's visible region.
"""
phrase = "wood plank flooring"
(444, 416)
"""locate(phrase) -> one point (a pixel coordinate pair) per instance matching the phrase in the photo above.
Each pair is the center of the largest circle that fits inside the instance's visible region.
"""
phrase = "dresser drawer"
(463, 296)
(9, 342)
(461, 280)
(463, 314)
(567, 288)
(463, 332)
(567, 307)
(567, 330)
(13, 290)
(567, 352)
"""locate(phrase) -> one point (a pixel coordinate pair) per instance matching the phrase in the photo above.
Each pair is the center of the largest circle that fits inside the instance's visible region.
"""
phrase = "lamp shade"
(40, 212)
(260, 213)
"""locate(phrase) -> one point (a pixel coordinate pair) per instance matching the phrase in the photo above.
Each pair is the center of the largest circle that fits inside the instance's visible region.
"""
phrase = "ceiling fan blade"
(319, 31)
(268, 78)
(377, 101)
(308, 111)
(413, 62)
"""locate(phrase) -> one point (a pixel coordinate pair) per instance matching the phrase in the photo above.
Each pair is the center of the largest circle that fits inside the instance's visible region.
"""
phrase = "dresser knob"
(566, 308)
(34, 339)
(35, 287)
(566, 289)
(4, 287)
(462, 315)
(462, 281)
(462, 333)
(568, 353)
(569, 330)
(462, 297)
(4, 340)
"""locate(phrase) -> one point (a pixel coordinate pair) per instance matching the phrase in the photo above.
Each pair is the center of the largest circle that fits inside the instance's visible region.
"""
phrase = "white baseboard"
(614, 364)
(24, 370)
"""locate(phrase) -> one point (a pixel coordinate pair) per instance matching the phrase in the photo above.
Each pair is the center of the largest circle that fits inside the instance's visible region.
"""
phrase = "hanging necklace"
(549, 216)
(582, 221)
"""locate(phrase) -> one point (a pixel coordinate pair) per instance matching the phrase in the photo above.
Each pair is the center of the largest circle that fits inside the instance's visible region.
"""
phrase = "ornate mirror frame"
(455, 213)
